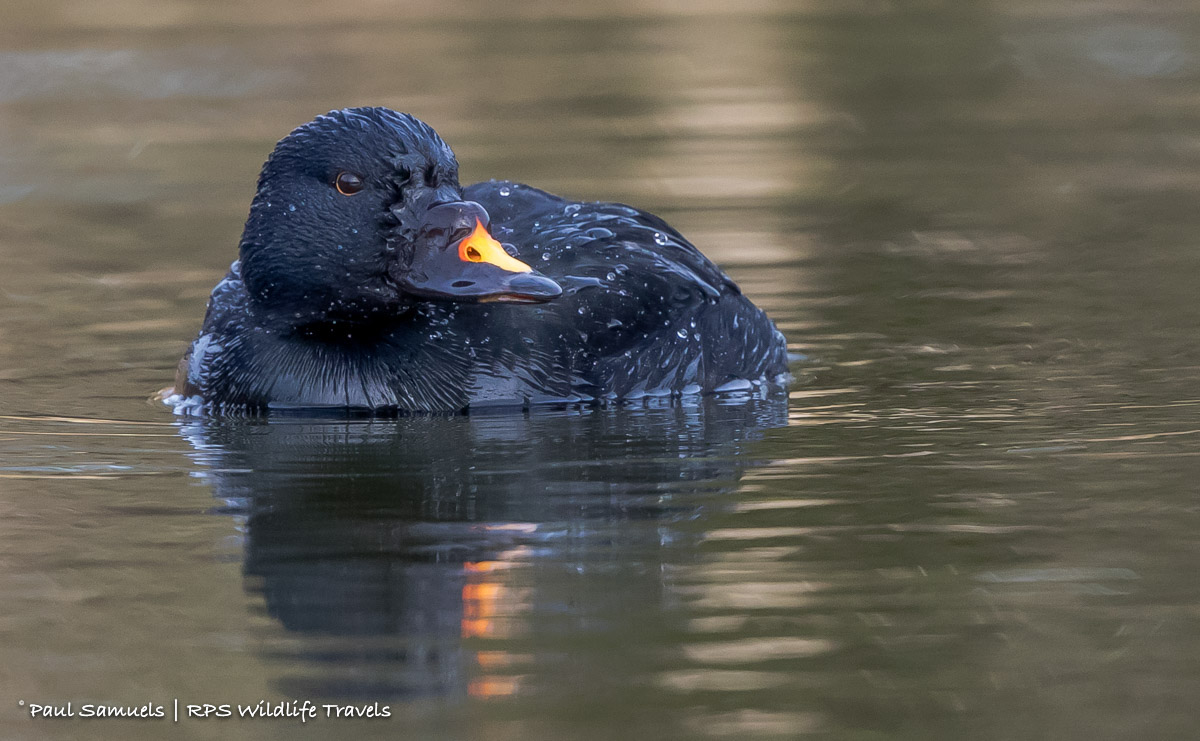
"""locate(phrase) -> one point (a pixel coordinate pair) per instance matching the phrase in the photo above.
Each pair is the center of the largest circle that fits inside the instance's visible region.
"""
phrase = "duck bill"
(474, 267)
(525, 288)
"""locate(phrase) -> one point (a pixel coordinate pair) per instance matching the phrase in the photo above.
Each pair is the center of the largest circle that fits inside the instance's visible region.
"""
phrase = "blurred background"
(973, 516)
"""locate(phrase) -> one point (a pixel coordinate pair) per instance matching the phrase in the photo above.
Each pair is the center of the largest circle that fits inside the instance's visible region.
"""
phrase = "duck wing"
(643, 310)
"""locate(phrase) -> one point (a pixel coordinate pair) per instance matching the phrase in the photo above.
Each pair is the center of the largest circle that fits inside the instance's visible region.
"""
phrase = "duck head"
(359, 214)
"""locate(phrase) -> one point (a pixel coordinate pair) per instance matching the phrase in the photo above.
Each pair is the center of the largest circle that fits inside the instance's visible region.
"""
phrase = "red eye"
(348, 183)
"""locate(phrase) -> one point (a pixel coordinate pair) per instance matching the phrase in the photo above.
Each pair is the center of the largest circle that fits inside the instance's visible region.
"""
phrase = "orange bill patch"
(481, 247)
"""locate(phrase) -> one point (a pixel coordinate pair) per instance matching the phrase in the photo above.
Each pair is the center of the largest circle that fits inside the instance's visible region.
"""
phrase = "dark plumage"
(367, 280)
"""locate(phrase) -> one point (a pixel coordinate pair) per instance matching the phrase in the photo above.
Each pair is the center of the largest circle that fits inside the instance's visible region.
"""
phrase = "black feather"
(309, 317)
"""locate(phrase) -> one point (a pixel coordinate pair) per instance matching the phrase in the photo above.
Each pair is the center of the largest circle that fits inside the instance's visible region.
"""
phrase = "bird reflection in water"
(423, 555)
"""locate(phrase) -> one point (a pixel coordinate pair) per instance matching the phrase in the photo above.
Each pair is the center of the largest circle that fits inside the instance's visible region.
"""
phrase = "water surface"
(973, 515)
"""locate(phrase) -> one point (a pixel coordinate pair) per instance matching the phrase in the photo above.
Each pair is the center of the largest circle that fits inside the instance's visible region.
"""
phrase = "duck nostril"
(463, 283)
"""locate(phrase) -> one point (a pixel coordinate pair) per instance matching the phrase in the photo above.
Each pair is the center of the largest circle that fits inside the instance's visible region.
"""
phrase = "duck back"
(643, 311)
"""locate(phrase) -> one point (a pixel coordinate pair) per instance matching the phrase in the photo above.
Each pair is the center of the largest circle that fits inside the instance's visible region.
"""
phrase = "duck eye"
(403, 175)
(348, 183)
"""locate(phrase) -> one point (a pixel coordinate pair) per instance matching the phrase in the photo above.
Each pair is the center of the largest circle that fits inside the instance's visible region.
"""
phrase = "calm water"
(974, 515)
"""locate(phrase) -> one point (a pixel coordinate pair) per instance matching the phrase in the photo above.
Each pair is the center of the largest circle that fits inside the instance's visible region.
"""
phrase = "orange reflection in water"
(479, 608)
(492, 686)
(482, 598)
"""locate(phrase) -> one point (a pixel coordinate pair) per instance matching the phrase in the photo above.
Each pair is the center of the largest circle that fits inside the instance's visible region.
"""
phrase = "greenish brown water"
(973, 516)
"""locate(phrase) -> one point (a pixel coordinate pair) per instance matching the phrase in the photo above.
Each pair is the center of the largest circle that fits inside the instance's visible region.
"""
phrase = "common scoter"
(368, 278)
